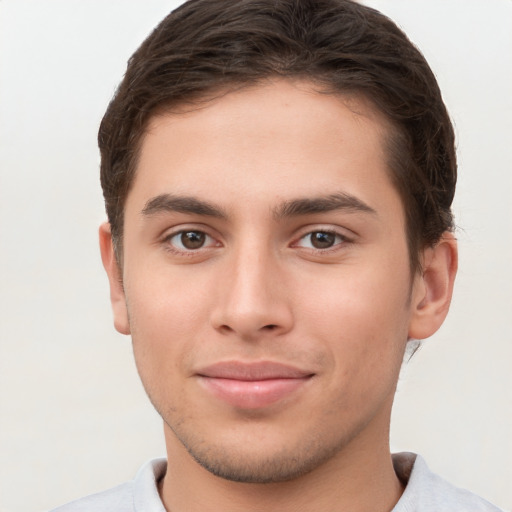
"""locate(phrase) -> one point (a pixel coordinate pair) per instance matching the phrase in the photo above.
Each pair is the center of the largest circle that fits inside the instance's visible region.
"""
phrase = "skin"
(260, 288)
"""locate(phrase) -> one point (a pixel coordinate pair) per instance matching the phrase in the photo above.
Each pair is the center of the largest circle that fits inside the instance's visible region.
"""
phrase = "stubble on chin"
(258, 464)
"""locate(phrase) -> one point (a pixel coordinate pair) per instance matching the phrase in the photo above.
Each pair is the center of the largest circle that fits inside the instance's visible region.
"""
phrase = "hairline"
(390, 133)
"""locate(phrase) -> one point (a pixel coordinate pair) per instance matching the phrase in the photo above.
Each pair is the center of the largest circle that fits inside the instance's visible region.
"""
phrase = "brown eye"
(322, 239)
(192, 239)
(190, 242)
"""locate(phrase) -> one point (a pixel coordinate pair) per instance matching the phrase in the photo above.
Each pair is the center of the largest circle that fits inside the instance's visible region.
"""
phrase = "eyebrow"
(181, 204)
(293, 208)
(332, 202)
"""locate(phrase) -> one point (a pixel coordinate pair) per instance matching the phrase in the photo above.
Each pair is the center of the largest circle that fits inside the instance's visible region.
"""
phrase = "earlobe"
(433, 288)
(117, 296)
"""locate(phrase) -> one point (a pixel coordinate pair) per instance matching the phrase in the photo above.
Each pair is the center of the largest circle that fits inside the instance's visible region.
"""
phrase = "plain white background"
(74, 418)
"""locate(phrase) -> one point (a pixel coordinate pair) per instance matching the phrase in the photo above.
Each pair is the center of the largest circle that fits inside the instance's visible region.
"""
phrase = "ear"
(117, 297)
(433, 288)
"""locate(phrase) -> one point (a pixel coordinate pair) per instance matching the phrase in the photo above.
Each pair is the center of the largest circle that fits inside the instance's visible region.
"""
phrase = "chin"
(260, 464)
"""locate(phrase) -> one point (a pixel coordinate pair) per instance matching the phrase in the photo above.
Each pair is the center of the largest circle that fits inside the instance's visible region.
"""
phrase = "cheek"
(366, 298)
(166, 315)
(361, 318)
(164, 302)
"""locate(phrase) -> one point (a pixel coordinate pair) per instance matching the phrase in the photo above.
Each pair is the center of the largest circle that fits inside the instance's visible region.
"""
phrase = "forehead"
(265, 141)
(270, 104)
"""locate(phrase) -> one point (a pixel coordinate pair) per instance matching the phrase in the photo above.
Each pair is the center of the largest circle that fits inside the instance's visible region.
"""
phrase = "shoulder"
(137, 495)
(428, 492)
(117, 499)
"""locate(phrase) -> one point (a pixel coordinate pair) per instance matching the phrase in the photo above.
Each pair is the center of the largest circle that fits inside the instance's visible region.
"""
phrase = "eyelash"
(167, 240)
(339, 240)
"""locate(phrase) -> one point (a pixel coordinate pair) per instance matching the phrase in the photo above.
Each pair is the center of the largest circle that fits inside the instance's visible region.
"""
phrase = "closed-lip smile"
(252, 385)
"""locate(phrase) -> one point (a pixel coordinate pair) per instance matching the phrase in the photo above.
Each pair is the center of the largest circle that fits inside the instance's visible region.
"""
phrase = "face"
(266, 280)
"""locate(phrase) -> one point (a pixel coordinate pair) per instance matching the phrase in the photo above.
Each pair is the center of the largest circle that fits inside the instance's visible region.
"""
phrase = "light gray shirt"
(424, 492)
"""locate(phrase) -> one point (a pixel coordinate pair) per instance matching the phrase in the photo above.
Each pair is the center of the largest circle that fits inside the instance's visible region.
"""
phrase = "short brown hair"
(344, 47)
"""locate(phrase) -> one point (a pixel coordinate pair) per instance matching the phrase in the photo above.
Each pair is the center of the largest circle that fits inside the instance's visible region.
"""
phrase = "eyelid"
(169, 234)
(337, 231)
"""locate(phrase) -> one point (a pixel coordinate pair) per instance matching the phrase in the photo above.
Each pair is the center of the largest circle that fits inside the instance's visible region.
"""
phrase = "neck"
(359, 478)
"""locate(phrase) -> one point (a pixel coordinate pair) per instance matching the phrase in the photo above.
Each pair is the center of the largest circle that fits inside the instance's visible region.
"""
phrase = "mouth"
(252, 385)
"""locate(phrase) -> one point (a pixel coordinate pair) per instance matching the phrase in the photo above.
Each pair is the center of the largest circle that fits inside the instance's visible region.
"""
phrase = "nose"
(252, 298)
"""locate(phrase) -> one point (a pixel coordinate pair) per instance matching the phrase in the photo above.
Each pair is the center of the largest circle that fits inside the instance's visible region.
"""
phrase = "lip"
(252, 385)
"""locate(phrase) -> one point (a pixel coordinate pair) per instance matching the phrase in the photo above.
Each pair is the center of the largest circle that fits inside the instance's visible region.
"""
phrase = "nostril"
(270, 327)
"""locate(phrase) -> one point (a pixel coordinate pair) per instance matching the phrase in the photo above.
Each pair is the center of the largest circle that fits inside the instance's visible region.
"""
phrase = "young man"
(278, 178)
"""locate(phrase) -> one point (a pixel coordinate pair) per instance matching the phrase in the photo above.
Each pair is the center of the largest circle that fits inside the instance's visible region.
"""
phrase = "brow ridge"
(292, 208)
(308, 206)
(181, 204)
